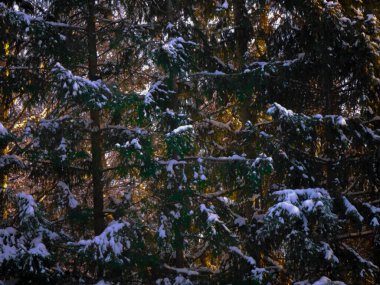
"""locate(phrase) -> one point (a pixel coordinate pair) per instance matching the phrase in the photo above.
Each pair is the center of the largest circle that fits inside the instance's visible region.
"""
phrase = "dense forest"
(178, 142)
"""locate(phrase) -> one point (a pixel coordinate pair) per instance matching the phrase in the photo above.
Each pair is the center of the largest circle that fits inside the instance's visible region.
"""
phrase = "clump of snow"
(373, 209)
(185, 271)
(211, 216)
(223, 6)
(326, 281)
(102, 282)
(277, 109)
(329, 253)
(8, 250)
(161, 232)
(340, 121)
(3, 131)
(180, 130)
(292, 210)
(72, 202)
(240, 221)
(148, 95)
(26, 244)
(6, 160)
(38, 248)
(63, 149)
(26, 206)
(250, 260)
(111, 243)
(170, 165)
(290, 201)
(351, 210)
(51, 125)
(135, 143)
(175, 49)
(374, 222)
(282, 207)
(76, 86)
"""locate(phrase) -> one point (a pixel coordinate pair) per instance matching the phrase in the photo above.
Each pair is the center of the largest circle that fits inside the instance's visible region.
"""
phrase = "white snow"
(224, 5)
(374, 222)
(326, 281)
(3, 130)
(277, 209)
(311, 193)
(51, 125)
(72, 202)
(282, 111)
(360, 258)
(8, 250)
(351, 209)
(211, 216)
(26, 205)
(180, 129)
(249, 259)
(186, 271)
(62, 146)
(297, 203)
(329, 253)
(240, 221)
(111, 242)
(373, 209)
(148, 95)
(175, 48)
(162, 232)
(211, 73)
(225, 200)
(340, 121)
(102, 282)
(80, 86)
(38, 248)
(170, 165)
(371, 18)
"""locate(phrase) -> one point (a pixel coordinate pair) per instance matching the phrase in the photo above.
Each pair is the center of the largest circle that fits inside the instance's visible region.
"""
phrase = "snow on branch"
(250, 260)
(321, 281)
(8, 160)
(3, 131)
(19, 17)
(72, 202)
(185, 271)
(368, 264)
(96, 92)
(351, 210)
(110, 244)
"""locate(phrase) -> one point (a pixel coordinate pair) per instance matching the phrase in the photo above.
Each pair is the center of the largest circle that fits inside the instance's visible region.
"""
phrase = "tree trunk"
(4, 109)
(96, 137)
(242, 36)
(179, 253)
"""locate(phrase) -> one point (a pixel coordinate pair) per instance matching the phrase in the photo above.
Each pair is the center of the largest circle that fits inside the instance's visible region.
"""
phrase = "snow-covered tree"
(190, 142)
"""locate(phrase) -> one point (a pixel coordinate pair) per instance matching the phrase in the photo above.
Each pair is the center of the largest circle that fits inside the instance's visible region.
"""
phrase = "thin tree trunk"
(4, 108)
(173, 104)
(180, 255)
(330, 109)
(96, 138)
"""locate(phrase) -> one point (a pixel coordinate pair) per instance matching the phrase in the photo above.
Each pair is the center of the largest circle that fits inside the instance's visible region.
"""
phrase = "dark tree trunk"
(242, 36)
(96, 137)
(4, 108)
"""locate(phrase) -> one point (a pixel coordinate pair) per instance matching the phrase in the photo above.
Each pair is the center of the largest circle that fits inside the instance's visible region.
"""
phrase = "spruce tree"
(189, 142)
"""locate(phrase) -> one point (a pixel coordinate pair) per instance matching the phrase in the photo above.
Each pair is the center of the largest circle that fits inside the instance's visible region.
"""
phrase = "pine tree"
(151, 139)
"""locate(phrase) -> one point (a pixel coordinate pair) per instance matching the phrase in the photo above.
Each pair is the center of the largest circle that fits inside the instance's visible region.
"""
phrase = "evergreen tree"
(147, 141)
